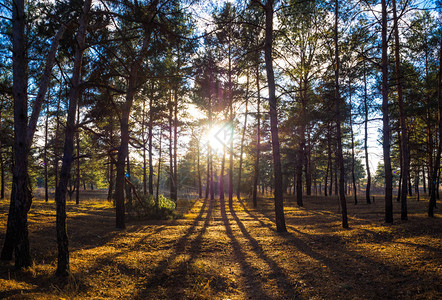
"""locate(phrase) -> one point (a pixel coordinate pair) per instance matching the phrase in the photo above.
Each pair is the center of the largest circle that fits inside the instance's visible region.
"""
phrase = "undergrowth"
(154, 209)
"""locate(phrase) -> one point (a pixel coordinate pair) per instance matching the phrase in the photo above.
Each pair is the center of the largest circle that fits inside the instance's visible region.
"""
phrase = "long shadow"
(283, 281)
(159, 271)
(160, 274)
(340, 270)
(253, 286)
(51, 281)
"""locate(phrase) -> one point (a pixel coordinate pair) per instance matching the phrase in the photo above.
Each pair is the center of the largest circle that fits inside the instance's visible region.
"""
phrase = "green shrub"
(147, 208)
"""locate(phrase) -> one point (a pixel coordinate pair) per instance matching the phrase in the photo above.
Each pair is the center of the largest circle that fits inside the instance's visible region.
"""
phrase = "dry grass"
(217, 252)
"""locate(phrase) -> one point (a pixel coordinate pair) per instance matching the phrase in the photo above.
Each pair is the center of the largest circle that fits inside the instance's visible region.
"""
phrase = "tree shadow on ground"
(286, 288)
(347, 267)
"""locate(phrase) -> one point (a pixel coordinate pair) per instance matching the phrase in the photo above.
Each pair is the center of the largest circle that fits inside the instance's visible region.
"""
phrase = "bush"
(147, 209)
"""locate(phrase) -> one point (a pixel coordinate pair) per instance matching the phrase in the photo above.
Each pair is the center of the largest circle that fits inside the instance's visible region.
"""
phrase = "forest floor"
(217, 252)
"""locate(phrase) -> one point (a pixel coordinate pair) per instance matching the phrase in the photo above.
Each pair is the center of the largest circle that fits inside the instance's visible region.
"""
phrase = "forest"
(222, 149)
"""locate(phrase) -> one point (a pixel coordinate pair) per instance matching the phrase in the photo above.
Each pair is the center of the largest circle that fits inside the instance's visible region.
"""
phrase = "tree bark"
(340, 158)
(60, 192)
(386, 120)
(123, 149)
(175, 147)
(238, 191)
(171, 140)
(367, 162)
(159, 169)
(279, 201)
(401, 162)
(21, 196)
(77, 181)
(45, 154)
(127, 181)
(434, 190)
(150, 137)
(111, 161)
(353, 179)
(258, 138)
(200, 188)
(402, 118)
(143, 136)
(230, 183)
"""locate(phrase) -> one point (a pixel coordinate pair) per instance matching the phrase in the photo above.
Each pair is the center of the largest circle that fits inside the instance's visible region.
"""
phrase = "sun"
(218, 136)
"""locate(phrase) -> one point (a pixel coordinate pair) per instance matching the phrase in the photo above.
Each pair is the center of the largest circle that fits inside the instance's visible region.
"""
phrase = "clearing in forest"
(219, 252)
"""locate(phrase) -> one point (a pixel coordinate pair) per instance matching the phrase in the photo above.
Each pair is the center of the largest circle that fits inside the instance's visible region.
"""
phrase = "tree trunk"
(330, 162)
(340, 158)
(355, 191)
(230, 191)
(208, 172)
(238, 191)
(308, 165)
(386, 120)
(77, 181)
(60, 192)
(221, 176)
(171, 147)
(367, 162)
(401, 160)
(150, 137)
(336, 173)
(159, 169)
(111, 162)
(301, 146)
(124, 125)
(21, 196)
(143, 136)
(434, 176)
(57, 137)
(175, 148)
(326, 170)
(279, 201)
(200, 188)
(45, 153)
(402, 118)
(2, 177)
(258, 138)
(128, 178)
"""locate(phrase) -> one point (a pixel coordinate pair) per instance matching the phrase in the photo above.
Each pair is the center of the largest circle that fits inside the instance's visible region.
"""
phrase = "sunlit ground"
(217, 252)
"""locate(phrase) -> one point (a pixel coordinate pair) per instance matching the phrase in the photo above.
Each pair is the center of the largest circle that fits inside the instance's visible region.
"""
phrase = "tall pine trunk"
(175, 147)
(150, 138)
(386, 120)
(159, 169)
(77, 181)
(353, 179)
(45, 153)
(367, 162)
(258, 138)
(340, 158)
(123, 149)
(143, 136)
(238, 191)
(434, 190)
(230, 182)
(60, 192)
(21, 197)
(404, 142)
(279, 201)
